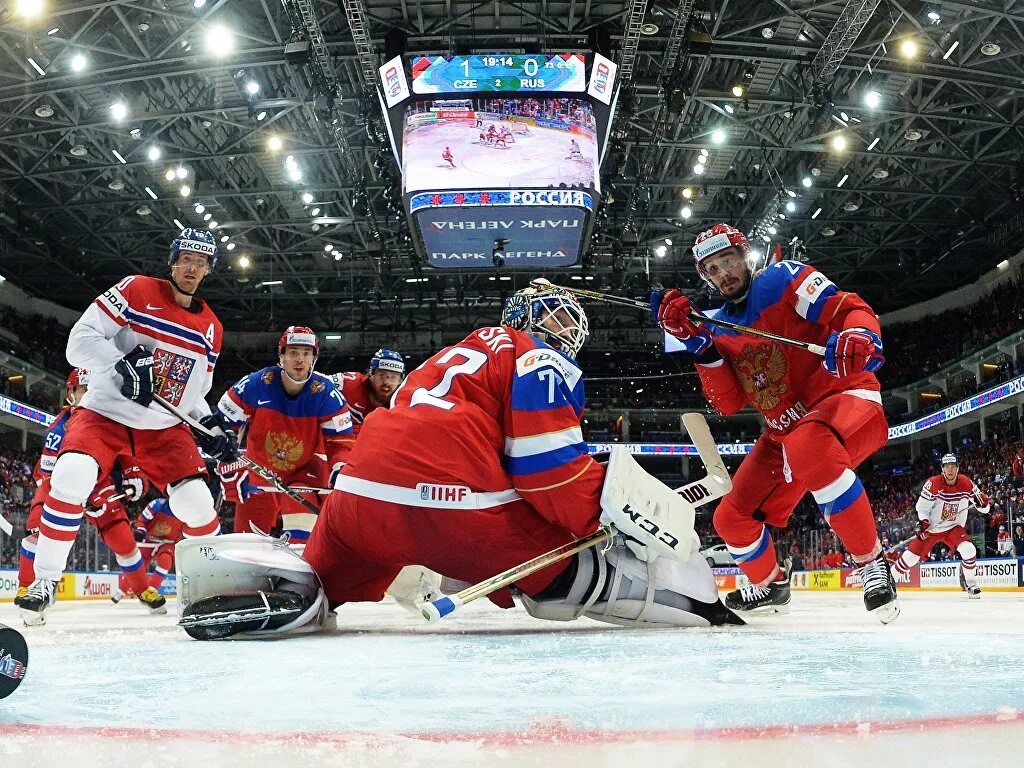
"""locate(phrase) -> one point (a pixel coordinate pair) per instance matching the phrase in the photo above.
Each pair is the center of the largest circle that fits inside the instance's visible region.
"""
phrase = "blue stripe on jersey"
(172, 330)
(545, 389)
(814, 310)
(542, 462)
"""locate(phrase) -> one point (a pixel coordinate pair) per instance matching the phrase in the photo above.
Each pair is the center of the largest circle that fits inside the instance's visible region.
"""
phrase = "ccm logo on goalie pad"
(651, 527)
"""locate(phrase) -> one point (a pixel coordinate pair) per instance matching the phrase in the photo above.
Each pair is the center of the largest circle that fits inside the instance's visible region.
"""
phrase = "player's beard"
(738, 288)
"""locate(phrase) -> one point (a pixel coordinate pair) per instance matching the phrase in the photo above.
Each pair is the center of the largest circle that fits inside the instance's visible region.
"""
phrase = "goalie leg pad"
(618, 588)
(248, 613)
(250, 565)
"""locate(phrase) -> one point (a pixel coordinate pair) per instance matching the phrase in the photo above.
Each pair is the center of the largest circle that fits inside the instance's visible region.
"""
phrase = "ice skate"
(41, 594)
(153, 600)
(771, 599)
(880, 589)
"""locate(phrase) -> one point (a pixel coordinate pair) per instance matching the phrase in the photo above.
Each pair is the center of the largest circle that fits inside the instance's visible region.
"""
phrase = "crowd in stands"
(996, 465)
(929, 344)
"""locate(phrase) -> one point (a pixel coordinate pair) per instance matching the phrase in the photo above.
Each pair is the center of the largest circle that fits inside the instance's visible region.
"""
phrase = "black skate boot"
(771, 599)
(42, 593)
(880, 589)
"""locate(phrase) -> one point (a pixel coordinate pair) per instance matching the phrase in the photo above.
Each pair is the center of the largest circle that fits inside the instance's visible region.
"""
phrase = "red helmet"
(78, 378)
(718, 238)
(299, 336)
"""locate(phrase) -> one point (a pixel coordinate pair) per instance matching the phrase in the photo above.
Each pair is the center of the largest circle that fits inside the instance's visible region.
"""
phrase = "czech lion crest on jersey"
(171, 373)
(761, 370)
(283, 450)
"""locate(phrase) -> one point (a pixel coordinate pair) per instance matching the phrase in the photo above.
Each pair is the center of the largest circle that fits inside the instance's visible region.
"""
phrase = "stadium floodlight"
(220, 40)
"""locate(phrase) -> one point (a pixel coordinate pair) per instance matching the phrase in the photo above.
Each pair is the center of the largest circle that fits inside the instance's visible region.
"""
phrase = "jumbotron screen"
(499, 143)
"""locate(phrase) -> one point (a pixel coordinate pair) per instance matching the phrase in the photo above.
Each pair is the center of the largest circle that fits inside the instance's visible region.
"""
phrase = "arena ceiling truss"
(108, 109)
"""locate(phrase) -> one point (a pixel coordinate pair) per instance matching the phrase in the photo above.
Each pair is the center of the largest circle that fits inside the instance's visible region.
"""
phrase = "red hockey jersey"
(782, 382)
(490, 420)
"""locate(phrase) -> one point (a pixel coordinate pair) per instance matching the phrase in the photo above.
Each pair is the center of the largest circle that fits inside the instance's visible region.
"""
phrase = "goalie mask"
(551, 314)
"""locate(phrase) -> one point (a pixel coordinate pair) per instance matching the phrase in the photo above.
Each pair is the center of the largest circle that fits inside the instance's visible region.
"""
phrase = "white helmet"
(527, 310)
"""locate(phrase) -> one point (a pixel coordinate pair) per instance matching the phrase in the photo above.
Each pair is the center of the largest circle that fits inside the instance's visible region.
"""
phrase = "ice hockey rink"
(537, 159)
(824, 686)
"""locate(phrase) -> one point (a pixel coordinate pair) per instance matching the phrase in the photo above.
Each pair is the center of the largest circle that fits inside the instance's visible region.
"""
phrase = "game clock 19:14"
(499, 72)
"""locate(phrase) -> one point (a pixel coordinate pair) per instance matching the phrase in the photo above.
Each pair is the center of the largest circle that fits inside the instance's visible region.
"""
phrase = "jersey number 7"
(472, 361)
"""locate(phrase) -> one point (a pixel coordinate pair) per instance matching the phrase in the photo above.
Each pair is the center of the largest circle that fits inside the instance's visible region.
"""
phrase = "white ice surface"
(825, 685)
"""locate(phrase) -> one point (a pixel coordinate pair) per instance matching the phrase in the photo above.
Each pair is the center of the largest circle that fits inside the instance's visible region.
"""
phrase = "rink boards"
(77, 585)
(994, 574)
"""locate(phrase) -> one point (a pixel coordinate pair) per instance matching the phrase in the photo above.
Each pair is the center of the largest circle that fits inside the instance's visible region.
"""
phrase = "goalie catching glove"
(652, 518)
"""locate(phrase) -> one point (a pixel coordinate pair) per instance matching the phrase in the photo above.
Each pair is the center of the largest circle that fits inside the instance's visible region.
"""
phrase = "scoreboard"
(499, 152)
(500, 72)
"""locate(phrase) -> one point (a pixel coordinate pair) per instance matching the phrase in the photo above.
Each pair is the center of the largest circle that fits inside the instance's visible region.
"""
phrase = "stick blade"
(697, 428)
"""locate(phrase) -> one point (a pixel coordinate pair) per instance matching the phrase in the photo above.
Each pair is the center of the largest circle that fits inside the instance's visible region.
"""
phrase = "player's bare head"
(950, 467)
(723, 258)
(193, 257)
(297, 351)
(386, 371)
(551, 314)
(76, 387)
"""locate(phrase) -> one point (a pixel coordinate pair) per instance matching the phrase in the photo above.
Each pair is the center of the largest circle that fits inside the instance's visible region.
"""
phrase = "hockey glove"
(220, 443)
(101, 503)
(234, 476)
(134, 483)
(986, 505)
(922, 528)
(672, 312)
(140, 534)
(851, 351)
(136, 371)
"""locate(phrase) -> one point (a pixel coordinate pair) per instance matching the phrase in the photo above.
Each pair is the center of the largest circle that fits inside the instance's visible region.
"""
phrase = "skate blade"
(887, 613)
(32, 619)
(974, 595)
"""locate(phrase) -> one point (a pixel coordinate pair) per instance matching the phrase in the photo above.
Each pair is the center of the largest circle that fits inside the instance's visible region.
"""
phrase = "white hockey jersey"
(185, 344)
(946, 505)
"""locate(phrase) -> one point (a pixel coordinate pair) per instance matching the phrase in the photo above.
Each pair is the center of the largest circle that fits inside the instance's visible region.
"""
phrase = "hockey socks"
(58, 528)
(757, 560)
(845, 506)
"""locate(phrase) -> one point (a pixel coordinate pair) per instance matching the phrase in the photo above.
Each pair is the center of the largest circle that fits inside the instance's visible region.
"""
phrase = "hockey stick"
(300, 489)
(714, 485)
(622, 301)
(6, 526)
(259, 469)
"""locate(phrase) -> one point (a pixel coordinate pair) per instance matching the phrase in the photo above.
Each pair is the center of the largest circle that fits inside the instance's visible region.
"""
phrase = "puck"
(13, 660)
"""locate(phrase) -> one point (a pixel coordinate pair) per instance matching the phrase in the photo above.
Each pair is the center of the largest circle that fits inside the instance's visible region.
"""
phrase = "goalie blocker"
(650, 576)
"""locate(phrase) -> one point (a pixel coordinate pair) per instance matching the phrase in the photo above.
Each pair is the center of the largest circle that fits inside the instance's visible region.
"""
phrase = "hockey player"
(512, 480)
(284, 412)
(159, 530)
(941, 519)
(824, 417)
(103, 511)
(365, 392)
(575, 153)
(1004, 543)
(448, 157)
(144, 337)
